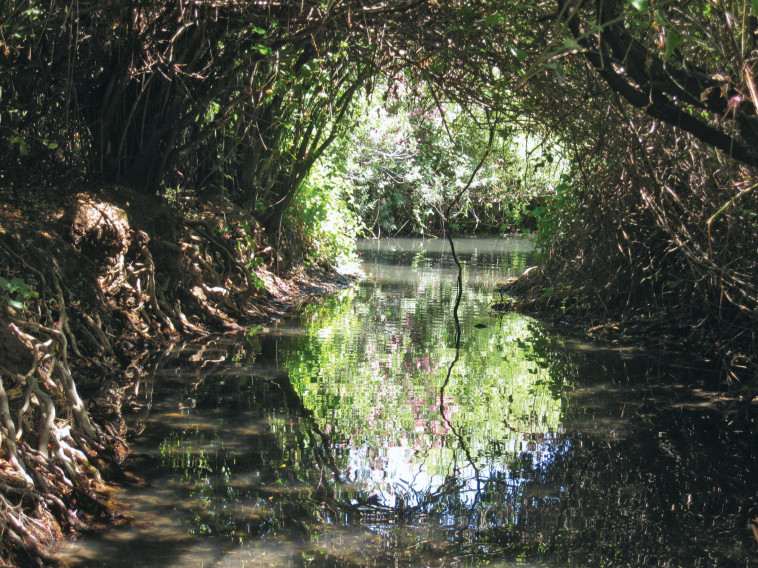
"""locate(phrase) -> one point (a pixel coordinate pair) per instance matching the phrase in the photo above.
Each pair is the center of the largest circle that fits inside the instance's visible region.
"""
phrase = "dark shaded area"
(647, 492)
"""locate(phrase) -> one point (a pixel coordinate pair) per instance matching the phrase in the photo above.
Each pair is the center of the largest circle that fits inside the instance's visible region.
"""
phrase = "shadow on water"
(329, 440)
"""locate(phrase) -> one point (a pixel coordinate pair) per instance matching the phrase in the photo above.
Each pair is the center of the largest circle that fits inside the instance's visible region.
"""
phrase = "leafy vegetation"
(17, 292)
(409, 156)
(322, 218)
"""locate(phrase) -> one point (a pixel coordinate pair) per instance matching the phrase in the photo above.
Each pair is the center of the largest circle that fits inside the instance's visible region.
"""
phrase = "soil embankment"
(91, 280)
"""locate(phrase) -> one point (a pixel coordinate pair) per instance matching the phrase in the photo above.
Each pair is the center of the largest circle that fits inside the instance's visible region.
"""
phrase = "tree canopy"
(250, 94)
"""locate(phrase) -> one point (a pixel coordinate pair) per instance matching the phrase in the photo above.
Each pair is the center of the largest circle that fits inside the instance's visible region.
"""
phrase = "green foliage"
(411, 155)
(23, 147)
(16, 292)
(321, 217)
(245, 99)
(553, 217)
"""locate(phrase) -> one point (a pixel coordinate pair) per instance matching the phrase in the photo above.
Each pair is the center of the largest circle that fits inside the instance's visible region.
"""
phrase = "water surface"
(358, 435)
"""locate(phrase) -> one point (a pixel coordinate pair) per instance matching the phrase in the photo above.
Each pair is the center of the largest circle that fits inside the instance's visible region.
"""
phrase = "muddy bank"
(91, 279)
(666, 330)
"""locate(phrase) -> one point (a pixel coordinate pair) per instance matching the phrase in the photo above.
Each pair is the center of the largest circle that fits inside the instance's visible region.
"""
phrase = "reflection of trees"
(432, 319)
(247, 456)
(659, 497)
(269, 452)
(301, 458)
(358, 378)
(465, 405)
(254, 461)
(462, 445)
(570, 498)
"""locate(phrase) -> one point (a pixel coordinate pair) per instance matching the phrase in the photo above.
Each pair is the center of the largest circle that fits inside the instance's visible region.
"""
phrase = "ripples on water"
(346, 438)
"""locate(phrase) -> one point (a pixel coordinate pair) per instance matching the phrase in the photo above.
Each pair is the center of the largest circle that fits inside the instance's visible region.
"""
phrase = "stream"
(355, 434)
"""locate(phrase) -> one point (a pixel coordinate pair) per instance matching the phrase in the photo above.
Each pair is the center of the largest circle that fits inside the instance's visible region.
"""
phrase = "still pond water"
(357, 435)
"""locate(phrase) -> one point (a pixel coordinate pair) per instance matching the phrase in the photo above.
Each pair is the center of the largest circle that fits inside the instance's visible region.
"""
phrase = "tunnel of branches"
(128, 125)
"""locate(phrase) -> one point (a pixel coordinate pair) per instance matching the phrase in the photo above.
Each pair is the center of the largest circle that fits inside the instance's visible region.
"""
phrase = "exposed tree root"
(100, 287)
(47, 440)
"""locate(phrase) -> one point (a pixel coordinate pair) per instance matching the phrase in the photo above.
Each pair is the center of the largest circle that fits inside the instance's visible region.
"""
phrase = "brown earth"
(91, 279)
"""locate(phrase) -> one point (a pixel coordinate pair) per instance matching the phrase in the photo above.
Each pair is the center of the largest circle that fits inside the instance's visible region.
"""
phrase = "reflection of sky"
(390, 474)
(394, 474)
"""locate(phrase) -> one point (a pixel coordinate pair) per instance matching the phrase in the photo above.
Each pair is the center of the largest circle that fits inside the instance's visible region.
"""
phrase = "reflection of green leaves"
(382, 389)
(180, 451)
(209, 474)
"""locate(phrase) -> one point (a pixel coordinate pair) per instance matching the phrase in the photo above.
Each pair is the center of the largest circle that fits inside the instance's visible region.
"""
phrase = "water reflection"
(328, 441)
(374, 361)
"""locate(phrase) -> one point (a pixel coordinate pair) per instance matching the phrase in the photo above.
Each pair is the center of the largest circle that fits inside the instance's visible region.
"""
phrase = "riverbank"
(91, 279)
(665, 329)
